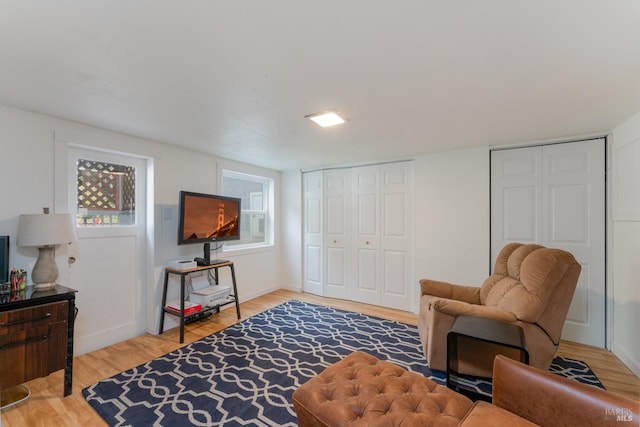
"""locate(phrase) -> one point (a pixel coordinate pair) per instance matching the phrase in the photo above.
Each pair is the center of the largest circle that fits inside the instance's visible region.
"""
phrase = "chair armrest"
(461, 308)
(470, 294)
(549, 399)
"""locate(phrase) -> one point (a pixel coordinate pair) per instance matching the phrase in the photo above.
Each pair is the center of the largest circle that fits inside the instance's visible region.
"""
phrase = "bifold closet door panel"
(554, 195)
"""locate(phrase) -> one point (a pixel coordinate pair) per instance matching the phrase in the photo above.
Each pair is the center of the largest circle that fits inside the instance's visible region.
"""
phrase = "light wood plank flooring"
(47, 407)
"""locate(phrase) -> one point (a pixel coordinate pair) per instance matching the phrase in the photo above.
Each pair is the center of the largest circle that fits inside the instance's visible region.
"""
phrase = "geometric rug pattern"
(245, 374)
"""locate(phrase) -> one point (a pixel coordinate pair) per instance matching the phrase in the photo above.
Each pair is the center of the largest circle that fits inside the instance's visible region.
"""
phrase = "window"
(106, 194)
(256, 218)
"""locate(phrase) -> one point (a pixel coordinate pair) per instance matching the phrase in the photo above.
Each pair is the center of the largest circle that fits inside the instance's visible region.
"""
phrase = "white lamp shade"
(46, 229)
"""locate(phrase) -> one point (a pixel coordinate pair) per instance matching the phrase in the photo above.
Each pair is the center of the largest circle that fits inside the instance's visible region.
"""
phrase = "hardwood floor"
(47, 407)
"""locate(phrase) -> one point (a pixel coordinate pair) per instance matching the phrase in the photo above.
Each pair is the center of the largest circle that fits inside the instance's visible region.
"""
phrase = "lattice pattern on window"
(106, 186)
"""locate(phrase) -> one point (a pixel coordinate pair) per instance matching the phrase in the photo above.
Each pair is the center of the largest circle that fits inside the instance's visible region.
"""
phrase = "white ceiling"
(236, 78)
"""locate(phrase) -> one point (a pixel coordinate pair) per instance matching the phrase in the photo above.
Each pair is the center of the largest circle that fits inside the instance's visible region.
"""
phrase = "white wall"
(27, 147)
(452, 216)
(291, 262)
(451, 212)
(625, 212)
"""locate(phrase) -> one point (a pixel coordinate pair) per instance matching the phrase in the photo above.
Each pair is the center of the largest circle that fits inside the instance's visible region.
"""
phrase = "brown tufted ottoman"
(361, 390)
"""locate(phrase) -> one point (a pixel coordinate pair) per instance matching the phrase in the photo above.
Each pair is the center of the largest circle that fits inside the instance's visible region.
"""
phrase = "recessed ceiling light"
(327, 118)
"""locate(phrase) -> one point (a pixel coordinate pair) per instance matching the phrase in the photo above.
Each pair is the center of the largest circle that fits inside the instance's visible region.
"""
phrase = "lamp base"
(45, 270)
(43, 286)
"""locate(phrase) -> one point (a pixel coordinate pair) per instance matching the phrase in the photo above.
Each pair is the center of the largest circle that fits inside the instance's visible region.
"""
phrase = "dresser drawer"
(33, 342)
(27, 318)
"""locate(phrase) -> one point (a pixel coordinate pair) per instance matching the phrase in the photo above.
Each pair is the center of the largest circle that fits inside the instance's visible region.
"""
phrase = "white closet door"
(366, 234)
(358, 240)
(516, 197)
(554, 195)
(397, 285)
(313, 233)
(337, 235)
(382, 224)
(574, 220)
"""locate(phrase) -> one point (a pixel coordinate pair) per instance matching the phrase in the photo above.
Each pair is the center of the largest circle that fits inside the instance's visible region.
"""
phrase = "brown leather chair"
(547, 399)
(531, 286)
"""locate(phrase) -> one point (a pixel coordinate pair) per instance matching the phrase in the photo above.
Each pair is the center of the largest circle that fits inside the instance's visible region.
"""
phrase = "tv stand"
(200, 315)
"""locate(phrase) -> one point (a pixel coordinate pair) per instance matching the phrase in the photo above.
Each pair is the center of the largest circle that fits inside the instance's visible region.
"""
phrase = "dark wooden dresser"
(36, 335)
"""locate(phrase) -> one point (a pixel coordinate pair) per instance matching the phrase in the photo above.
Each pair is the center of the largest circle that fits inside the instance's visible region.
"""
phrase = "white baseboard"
(293, 288)
(101, 339)
(625, 358)
(261, 292)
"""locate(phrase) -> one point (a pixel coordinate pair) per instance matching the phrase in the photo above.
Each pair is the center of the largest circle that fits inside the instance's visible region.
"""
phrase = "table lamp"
(45, 231)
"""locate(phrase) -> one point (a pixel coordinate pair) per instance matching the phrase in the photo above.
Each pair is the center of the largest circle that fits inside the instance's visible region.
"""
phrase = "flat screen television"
(206, 218)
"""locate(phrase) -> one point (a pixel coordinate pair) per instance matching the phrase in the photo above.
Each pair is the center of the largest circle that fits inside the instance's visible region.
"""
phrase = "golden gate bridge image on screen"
(222, 228)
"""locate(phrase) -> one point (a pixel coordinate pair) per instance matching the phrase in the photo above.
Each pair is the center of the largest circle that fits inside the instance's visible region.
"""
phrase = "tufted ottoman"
(361, 390)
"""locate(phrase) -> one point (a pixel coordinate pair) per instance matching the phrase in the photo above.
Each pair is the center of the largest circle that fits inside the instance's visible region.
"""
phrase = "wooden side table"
(506, 335)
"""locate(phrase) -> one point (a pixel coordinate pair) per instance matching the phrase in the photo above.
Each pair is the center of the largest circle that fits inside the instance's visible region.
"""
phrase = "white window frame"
(81, 221)
(268, 183)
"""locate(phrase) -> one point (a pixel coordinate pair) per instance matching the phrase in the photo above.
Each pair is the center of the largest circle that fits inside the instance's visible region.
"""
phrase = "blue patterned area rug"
(245, 374)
